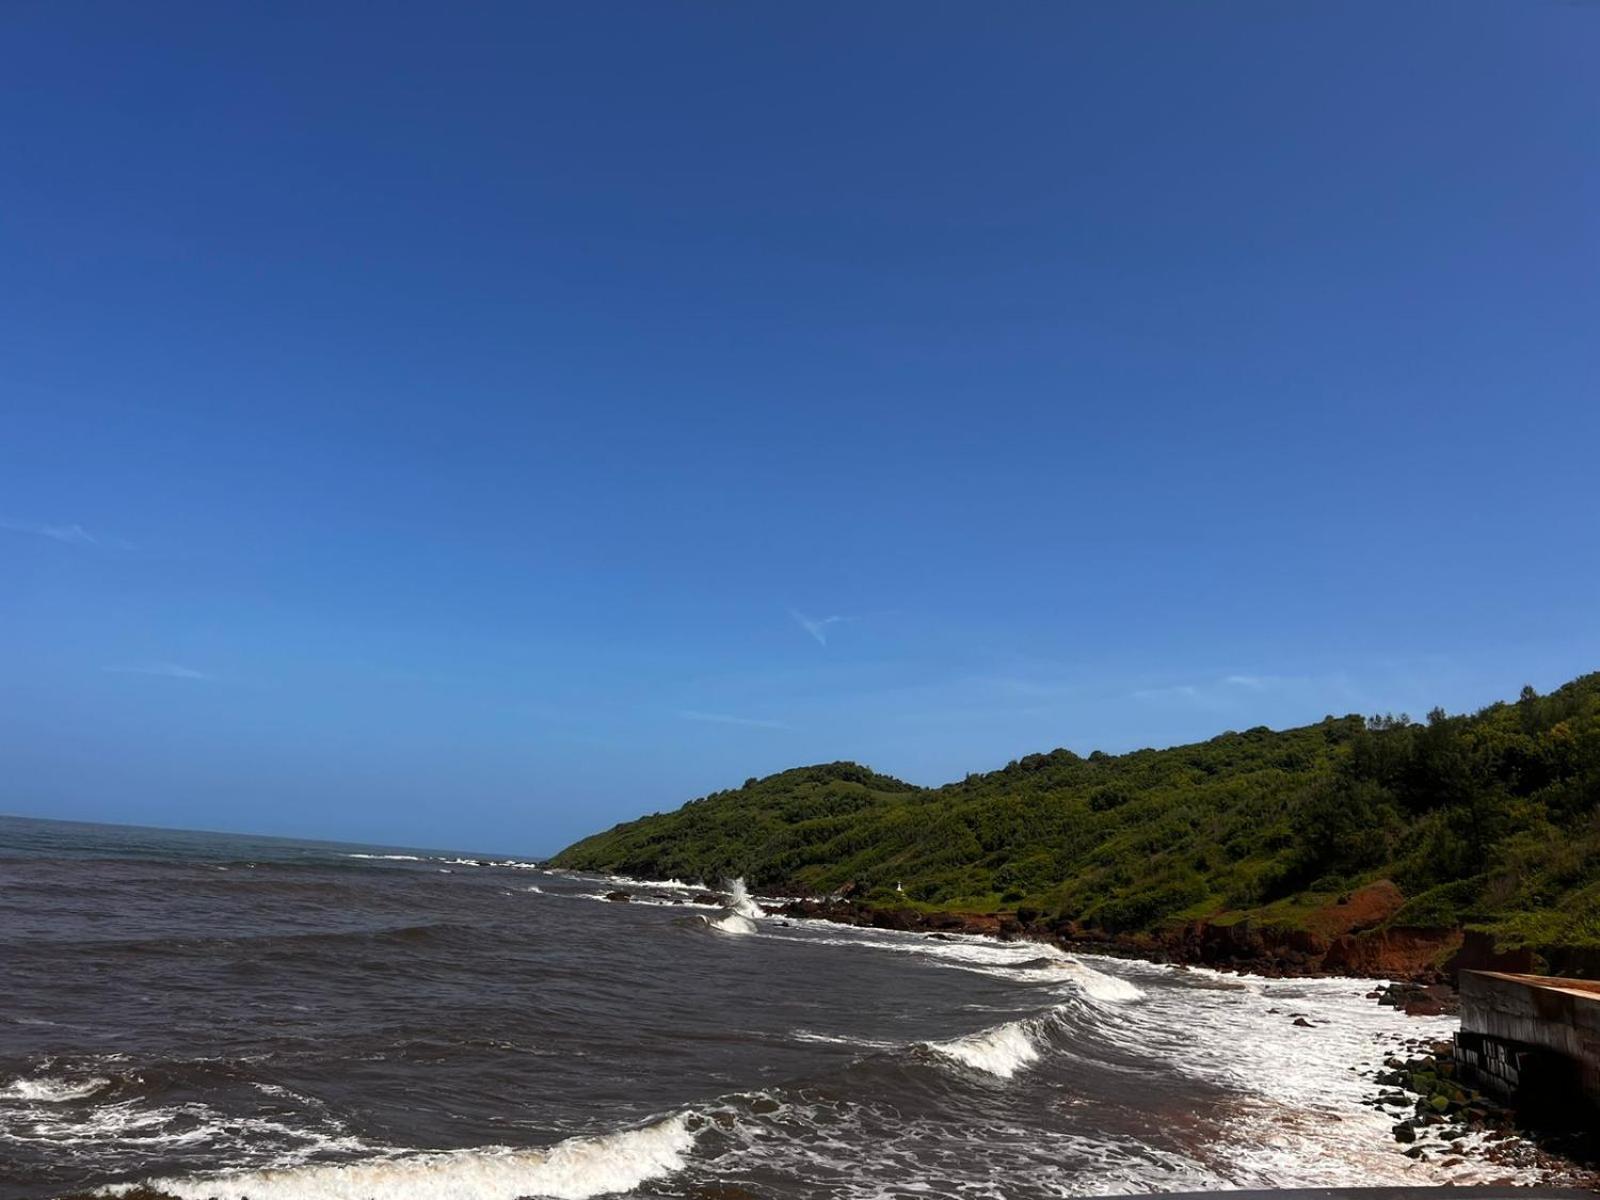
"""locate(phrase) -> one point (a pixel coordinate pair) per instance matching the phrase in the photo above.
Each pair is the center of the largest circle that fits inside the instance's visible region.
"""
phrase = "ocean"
(227, 1016)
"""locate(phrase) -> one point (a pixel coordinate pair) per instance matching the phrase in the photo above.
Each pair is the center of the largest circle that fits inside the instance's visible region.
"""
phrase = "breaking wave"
(1001, 1051)
(52, 1091)
(1096, 984)
(575, 1169)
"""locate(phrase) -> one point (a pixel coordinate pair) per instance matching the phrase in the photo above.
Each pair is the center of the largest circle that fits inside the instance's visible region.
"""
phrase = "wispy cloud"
(817, 627)
(693, 714)
(1253, 682)
(1180, 691)
(73, 534)
(1242, 692)
(166, 670)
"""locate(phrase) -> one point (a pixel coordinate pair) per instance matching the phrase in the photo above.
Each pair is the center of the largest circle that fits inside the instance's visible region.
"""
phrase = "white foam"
(834, 1039)
(669, 884)
(52, 1091)
(1001, 1051)
(571, 1170)
(385, 857)
(1036, 963)
(734, 922)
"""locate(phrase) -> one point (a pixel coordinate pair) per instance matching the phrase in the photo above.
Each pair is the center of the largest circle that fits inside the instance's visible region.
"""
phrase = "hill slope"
(1487, 821)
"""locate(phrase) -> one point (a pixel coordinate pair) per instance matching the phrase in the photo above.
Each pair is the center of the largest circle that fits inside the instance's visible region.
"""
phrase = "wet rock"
(1302, 1023)
(1405, 1132)
(621, 897)
(764, 1104)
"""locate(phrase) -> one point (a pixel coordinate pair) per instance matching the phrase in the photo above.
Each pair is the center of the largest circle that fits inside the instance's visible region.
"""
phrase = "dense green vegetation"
(1490, 820)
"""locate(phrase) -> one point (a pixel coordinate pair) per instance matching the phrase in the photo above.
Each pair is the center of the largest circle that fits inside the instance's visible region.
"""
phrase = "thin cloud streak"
(1186, 691)
(73, 534)
(817, 627)
(165, 670)
(692, 714)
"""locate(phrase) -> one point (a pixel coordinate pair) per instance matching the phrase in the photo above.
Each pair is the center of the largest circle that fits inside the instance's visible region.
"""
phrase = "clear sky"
(471, 425)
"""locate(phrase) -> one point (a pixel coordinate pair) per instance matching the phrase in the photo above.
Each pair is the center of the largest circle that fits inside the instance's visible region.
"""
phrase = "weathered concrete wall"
(1522, 1033)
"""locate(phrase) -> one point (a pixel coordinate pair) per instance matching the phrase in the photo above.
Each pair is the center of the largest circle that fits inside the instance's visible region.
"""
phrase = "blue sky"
(473, 425)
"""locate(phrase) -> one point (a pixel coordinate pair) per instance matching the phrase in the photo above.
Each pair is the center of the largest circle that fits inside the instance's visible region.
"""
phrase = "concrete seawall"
(1533, 1040)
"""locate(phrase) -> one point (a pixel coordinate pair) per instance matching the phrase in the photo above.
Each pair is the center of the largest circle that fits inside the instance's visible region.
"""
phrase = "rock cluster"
(1419, 999)
(1440, 1103)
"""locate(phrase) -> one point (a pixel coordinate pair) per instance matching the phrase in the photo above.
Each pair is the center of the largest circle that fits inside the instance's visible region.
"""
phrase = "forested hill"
(1488, 821)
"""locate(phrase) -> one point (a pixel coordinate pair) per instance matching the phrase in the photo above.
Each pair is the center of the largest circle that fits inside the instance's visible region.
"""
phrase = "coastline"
(1410, 1090)
(1241, 946)
(1427, 959)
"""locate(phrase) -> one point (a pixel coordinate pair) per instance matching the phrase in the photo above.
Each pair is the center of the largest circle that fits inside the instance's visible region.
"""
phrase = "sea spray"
(739, 900)
(741, 914)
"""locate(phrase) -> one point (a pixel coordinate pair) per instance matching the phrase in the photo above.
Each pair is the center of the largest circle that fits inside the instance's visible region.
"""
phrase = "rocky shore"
(1440, 1115)
(1241, 946)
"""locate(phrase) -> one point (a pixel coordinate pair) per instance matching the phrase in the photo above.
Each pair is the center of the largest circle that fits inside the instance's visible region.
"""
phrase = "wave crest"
(52, 1091)
(1001, 1051)
(575, 1169)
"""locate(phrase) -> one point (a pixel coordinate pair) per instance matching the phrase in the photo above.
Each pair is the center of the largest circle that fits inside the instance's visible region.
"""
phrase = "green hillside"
(1488, 821)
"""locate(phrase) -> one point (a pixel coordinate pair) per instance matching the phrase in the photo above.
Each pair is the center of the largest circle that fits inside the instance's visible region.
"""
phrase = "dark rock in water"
(1405, 1132)
(622, 896)
(764, 1104)
(1302, 1023)
(708, 898)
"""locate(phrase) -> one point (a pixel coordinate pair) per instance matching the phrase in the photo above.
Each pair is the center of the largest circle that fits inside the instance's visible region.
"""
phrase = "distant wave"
(575, 1169)
(678, 884)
